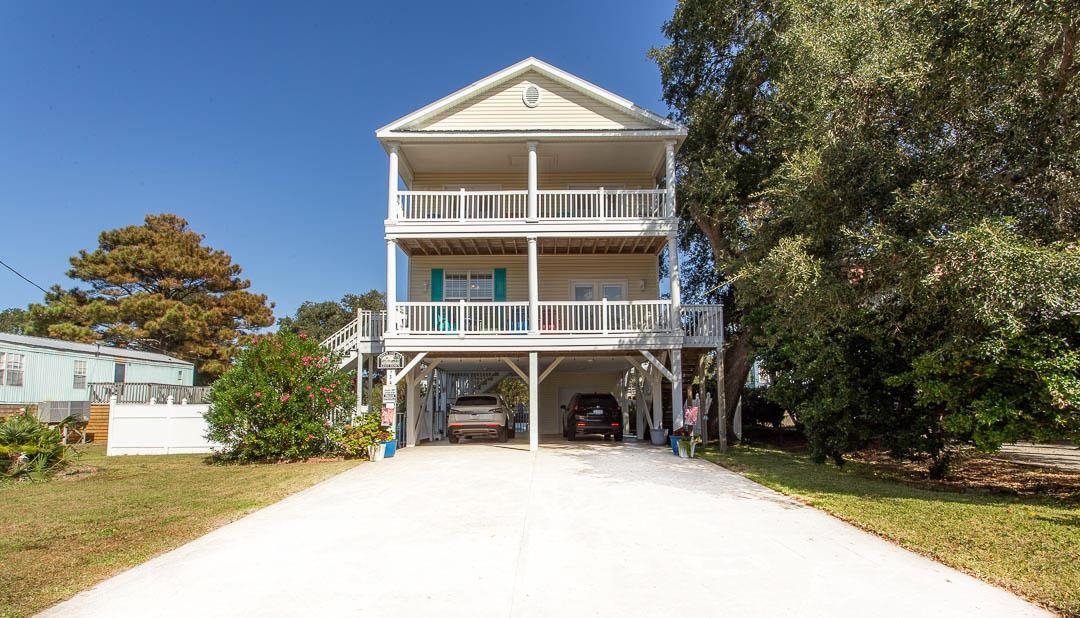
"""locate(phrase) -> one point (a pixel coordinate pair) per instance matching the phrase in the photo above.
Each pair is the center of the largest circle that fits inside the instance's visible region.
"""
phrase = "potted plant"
(366, 436)
(688, 443)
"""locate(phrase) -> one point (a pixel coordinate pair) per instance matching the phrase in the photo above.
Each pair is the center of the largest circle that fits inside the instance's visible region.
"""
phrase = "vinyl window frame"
(489, 274)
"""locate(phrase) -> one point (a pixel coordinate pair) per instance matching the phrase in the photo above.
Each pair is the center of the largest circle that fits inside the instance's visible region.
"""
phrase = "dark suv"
(593, 413)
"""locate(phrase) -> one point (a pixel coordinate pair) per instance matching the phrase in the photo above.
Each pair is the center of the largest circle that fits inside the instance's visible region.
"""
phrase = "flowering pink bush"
(258, 410)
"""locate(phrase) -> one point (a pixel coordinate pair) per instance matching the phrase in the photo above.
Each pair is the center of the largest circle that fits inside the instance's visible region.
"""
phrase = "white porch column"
(370, 380)
(534, 288)
(391, 202)
(676, 389)
(657, 398)
(673, 271)
(534, 401)
(721, 398)
(669, 176)
(412, 409)
(532, 214)
(359, 383)
(639, 404)
(391, 286)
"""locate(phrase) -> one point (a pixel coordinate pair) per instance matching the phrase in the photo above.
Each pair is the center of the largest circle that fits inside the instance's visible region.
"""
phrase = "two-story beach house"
(534, 209)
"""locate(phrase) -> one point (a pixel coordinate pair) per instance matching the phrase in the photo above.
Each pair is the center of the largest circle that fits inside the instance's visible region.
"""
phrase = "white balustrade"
(463, 318)
(605, 317)
(703, 322)
(572, 204)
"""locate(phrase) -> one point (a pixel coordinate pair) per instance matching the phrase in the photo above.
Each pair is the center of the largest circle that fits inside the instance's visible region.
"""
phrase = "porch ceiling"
(615, 155)
(575, 363)
(649, 245)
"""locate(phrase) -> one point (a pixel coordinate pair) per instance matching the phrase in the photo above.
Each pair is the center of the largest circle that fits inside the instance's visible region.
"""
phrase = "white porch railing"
(602, 204)
(462, 205)
(368, 326)
(460, 317)
(605, 317)
(703, 322)
(593, 204)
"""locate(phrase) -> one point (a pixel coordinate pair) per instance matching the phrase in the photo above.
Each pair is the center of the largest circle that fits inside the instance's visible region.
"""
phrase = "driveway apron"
(583, 529)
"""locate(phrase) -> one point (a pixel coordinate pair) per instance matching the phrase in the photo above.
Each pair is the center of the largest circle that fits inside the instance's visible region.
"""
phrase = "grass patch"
(63, 536)
(1030, 545)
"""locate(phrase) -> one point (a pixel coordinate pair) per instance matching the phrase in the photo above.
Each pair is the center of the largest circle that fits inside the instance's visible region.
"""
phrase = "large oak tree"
(890, 193)
(156, 287)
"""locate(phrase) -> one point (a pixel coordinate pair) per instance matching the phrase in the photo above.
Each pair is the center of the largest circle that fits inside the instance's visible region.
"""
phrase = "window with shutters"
(469, 285)
(79, 379)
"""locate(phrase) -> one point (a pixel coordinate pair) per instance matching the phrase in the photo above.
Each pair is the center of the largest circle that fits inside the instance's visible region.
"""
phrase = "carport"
(635, 378)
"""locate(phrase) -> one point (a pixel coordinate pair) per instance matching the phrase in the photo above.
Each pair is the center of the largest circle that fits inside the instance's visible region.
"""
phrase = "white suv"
(485, 416)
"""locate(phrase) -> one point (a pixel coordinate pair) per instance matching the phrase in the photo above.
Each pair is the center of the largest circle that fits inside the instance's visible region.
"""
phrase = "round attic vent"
(530, 96)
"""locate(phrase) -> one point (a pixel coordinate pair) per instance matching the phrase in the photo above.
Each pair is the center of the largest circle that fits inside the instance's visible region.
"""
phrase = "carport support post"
(359, 384)
(534, 401)
(412, 409)
(676, 389)
(721, 399)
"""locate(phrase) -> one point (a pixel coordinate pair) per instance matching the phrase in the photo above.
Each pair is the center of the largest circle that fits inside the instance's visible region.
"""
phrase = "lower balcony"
(559, 325)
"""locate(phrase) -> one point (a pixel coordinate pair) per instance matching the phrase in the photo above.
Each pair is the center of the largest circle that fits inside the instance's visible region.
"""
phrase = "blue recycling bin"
(391, 448)
(674, 444)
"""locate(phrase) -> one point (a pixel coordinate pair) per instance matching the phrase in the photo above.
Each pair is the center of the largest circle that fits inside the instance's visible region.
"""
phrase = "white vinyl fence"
(157, 429)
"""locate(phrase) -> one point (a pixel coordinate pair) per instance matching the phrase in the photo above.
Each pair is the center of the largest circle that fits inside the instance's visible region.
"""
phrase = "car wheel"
(454, 439)
(618, 437)
(501, 435)
(571, 434)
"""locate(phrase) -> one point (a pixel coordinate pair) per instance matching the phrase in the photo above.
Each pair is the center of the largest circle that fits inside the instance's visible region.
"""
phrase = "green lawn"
(63, 536)
(1029, 545)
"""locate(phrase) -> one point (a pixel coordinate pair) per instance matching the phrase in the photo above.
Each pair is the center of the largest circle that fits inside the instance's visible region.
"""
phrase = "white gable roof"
(595, 106)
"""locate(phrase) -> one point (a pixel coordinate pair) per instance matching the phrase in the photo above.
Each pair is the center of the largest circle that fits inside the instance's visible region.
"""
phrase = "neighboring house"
(37, 369)
(533, 208)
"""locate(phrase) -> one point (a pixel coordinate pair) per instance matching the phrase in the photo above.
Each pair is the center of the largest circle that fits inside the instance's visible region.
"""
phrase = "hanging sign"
(391, 360)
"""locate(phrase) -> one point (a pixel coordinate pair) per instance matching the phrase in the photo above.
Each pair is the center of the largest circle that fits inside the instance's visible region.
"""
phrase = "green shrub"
(365, 433)
(285, 398)
(30, 449)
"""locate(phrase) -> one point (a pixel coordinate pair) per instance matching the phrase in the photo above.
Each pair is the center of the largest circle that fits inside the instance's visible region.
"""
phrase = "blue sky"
(255, 121)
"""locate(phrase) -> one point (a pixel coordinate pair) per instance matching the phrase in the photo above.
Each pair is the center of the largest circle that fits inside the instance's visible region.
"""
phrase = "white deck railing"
(462, 205)
(602, 204)
(460, 317)
(605, 317)
(575, 205)
(368, 326)
(703, 322)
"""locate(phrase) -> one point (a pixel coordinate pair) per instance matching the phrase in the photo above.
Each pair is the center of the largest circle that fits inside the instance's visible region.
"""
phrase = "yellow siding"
(556, 273)
(518, 181)
(559, 108)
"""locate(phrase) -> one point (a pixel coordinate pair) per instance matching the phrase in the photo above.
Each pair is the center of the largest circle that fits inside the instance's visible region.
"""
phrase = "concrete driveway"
(590, 529)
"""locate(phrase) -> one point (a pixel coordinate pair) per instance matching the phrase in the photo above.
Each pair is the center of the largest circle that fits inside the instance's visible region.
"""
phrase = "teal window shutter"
(436, 285)
(500, 285)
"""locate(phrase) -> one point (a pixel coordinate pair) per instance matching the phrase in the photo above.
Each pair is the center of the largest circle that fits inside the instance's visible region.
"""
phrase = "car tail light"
(581, 424)
(615, 424)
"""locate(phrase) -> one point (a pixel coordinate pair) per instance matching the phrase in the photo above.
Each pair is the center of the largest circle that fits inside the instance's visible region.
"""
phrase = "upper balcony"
(530, 151)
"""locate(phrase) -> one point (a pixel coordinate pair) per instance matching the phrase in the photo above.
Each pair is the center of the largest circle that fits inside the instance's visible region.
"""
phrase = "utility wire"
(23, 277)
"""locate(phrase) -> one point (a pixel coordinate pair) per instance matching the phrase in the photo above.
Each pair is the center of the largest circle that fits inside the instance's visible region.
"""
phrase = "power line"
(23, 277)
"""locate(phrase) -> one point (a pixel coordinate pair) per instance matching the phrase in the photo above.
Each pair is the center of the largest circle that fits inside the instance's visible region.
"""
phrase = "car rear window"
(592, 401)
(477, 400)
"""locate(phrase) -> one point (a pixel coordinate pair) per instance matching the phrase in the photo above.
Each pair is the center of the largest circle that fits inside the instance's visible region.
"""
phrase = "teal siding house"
(37, 369)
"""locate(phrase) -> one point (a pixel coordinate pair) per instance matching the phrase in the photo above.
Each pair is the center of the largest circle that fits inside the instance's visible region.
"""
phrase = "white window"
(584, 291)
(79, 379)
(469, 285)
(13, 366)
